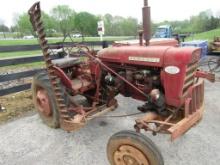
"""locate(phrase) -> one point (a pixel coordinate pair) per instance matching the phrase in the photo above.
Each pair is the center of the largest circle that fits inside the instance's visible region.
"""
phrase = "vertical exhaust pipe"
(146, 22)
(140, 33)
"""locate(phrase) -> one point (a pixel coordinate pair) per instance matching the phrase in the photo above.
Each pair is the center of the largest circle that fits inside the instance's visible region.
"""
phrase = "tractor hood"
(153, 42)
(157, 56)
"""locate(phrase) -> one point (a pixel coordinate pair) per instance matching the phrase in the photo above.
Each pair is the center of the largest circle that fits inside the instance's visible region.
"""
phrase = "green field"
(19, 54)
(50, 40)
(209, 35)
(5, 42)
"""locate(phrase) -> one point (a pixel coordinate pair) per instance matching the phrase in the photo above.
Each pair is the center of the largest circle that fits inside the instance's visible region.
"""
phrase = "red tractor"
(166, 78)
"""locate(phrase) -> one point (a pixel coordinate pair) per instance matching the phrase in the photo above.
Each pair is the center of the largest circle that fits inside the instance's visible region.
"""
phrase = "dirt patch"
(15, 105)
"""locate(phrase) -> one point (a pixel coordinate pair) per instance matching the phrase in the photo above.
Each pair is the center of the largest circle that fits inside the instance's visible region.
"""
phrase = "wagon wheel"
(44, 100)
(131, 148)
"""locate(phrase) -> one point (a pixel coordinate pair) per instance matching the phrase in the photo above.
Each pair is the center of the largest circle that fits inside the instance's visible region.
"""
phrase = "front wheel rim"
(43, 104)
(129, 155)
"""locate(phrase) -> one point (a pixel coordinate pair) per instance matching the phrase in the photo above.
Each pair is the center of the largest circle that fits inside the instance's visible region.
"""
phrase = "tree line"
(204, 21)
(62, 20)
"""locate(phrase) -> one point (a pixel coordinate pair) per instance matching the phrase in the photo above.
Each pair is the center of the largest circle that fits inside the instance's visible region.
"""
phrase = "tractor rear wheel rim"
(43, 104)
(129, 155)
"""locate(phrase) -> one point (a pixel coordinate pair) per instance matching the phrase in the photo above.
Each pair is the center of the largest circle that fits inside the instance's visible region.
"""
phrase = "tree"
(64, 18)
(49, 24)
(24, 25)
(119, 26)
(213, 23)
(13, 28)
(86, 23)
(199, 23)
(3, 29)
(129, 26)
(108, 19)
(204, 21)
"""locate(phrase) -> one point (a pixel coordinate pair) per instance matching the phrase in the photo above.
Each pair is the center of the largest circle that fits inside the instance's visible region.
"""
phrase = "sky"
(160, 9)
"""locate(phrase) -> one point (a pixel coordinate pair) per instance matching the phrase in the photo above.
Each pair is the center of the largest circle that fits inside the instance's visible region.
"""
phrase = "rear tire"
(132, 148)
(41, 87)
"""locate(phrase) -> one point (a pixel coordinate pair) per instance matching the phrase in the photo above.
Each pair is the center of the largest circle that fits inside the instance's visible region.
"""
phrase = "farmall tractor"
(159, 73)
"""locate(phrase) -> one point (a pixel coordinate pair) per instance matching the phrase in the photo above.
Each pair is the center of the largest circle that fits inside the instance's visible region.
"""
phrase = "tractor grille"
(189, 78)
(195, 98)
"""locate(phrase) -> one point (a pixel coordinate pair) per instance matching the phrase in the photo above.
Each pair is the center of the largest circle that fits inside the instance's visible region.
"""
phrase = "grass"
(11, 42)
(26, 66)
(209, 35)
(20, 53)
(30, 65)
(6, 42)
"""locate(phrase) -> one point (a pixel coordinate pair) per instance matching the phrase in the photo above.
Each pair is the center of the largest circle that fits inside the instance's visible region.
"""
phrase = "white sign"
(144, 59)
(101, 28)
(172, 69)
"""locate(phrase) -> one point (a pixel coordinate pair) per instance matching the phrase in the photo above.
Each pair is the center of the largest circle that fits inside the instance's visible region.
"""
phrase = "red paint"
(63, 77)
(153, 42)
(167, 56)
(173, 84)
(122, 54)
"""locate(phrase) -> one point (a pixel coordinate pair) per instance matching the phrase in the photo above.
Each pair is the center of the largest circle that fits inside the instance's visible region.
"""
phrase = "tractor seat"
(66, 62)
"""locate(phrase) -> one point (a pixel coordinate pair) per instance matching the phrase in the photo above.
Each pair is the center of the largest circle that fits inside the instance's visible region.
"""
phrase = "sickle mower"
(165, 77)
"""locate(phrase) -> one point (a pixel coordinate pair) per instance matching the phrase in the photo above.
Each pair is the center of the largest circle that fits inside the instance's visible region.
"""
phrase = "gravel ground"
(28, 141)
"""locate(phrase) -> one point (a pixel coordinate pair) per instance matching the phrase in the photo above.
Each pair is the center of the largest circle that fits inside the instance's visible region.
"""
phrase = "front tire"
(132, 148)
